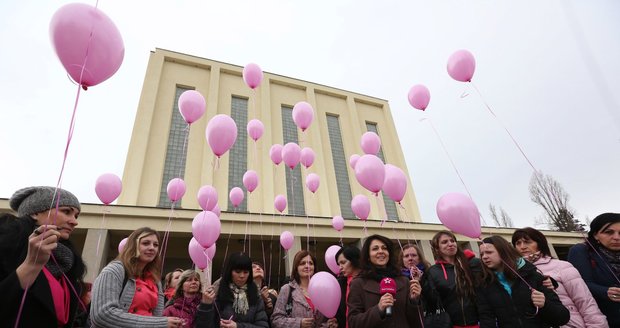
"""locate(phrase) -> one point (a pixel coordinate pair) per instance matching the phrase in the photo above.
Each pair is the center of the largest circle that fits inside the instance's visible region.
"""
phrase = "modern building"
(164, 147)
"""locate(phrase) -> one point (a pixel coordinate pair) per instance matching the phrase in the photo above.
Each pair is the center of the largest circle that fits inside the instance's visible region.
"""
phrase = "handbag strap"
(439, 303)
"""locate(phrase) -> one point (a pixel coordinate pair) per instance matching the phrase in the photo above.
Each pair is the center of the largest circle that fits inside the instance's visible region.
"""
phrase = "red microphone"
(387, 285)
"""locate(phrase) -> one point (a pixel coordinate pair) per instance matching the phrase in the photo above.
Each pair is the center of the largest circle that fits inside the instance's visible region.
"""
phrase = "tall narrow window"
(294, 190)
(340, 166)
(390, 206)
(238, 163)
(174, 166)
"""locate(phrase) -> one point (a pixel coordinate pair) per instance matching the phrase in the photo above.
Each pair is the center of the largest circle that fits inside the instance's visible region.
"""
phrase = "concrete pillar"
(95, 252)
(290, 256)
(427, 249)
(552, 250)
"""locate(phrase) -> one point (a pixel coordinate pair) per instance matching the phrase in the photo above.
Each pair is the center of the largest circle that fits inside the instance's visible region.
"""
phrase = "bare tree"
(501, 220)
(549, 194)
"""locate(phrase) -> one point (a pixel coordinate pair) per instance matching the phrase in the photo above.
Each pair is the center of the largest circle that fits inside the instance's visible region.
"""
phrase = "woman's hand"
(307, 323)
(548, 283)
(538, 298)
(614, 294)
(41, 243)
(385, 301)
(414, 289)
(208, 296)
(227, 324)
(332, 323)
(174, 322)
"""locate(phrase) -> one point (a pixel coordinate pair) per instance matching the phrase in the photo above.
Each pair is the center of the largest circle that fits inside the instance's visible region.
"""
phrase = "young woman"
(269, 296)
(348, 259)
(294, 307)
(511, 293)
(452, 280)
(128, 291)
(572, 290)
(236, 303)
(186, 298)
(598, 261)
(368, 306)
(27, 243)
(411, 260)
(171, 282)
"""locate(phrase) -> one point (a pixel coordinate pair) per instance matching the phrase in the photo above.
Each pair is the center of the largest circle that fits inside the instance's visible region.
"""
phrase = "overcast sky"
(550, 70)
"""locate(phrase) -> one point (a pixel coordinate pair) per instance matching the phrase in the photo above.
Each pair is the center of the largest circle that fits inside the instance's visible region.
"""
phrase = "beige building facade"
(162, 148)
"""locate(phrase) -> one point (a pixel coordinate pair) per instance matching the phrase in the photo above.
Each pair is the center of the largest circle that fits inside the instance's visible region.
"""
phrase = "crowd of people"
(515, 283)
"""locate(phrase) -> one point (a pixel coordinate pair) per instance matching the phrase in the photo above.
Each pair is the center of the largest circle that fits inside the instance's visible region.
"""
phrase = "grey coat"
(301, 309)
(109, 310)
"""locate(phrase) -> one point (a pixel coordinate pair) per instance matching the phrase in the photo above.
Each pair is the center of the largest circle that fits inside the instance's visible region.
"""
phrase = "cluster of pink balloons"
(108, 187)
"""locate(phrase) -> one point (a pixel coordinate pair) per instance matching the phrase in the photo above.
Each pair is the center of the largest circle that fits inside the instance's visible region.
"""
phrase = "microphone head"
(387, 285)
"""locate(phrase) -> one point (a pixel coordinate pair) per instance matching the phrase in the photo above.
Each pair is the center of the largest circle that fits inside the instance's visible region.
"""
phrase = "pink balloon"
(206, 228)
(280, 203)
(330, 258)
(324, 291)
(371, 143)
(462, 65)
(353, 160)
(250, 180)
(207, 197)
(303, 114)
(255, 129)
(419, 96)
(370, 172)
(216, 210)
(307, 157)
(395, 183)
(108, 187)
(275, 153)
(252, 75)
(84, 37)
(291, 154)
(192, 106)
(210, 251)
(459, 214)
(312, 182)
(361, 207)
(176, 189)
(338, 222)
(286, 240)
(221, 134)
(198, 254)
(236, 196)
(121, 245)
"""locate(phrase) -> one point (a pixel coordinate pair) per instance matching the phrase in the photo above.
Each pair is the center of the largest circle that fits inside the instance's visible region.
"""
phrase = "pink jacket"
(573, 293)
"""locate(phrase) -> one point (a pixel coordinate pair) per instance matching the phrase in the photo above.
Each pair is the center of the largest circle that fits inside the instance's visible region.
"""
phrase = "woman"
(572, 290)
(237, 303)
(269, 296)
(411, 260)
(598, 261)
(368, 306)
(38, 259)
(348, 259)
(128, 291)
(186, 298)
(452, 280)
(171, 282)
(512, 293)
(294, 307)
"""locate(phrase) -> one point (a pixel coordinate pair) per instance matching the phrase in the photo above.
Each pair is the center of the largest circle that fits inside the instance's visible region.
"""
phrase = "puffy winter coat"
(184, 308)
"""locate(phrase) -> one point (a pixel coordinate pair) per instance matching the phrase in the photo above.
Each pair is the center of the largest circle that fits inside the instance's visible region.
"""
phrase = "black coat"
(38, 308)
(462, 310)
(499, 309)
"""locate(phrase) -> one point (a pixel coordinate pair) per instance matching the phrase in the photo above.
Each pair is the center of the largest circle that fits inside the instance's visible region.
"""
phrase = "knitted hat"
(32, 200)
(601, 222)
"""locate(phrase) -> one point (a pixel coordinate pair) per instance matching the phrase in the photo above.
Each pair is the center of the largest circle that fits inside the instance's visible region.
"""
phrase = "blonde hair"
(130, 254)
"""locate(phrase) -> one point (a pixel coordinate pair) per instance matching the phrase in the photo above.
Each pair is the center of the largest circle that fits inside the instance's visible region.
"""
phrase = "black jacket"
(498, 309)
(462, 310)
(38, 308)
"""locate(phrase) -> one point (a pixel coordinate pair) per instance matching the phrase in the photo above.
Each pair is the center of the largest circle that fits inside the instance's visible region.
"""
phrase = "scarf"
(532, 258)
(64, 261)
(611, 257)
(240, 295)
(380, 273)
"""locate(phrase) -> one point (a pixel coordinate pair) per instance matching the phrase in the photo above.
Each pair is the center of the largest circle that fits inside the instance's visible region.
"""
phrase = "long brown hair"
(507, 254)
(129, 255)
(298, 257)
(465, 284)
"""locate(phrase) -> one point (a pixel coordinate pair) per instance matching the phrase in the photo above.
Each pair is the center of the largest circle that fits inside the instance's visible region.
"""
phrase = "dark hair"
(418, 250)
(298, 257)
(465, 283)
(237, 261)
(601, 222)
(350, 253)
(534, 235)
(368, 269)
(507, 254)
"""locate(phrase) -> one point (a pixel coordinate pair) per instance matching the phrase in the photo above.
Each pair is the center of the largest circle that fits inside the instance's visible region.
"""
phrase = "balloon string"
(103, 210)
(166, 236)
(601, 257)
(232, 225)
(273, 223)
